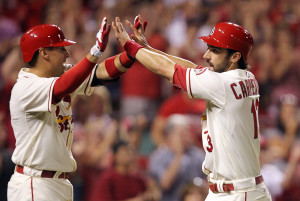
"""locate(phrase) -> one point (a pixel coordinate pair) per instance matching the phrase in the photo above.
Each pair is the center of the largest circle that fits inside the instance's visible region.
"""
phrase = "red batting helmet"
(44, 35)
(231, 36)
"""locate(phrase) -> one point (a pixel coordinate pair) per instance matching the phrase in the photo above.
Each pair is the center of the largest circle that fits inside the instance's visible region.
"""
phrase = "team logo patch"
(200, 70)
(212, 31)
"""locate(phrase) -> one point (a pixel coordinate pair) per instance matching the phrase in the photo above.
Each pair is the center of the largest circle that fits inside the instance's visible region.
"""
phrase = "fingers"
(136, 19)
(120, 32)
(132, 27)
(119, 25)
(115, 26)
(108, 28)
(138, 23)
(145, 25)
(103, 24)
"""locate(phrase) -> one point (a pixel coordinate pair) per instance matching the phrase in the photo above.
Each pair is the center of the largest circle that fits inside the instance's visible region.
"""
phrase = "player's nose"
(206, 55)
(67, 54)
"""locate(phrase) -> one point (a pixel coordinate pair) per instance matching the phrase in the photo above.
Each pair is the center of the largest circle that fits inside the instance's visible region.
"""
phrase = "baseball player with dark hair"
(41, 113)
(230, 131)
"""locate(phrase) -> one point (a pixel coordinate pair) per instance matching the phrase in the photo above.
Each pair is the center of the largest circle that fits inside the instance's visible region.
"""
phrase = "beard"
(219, 68)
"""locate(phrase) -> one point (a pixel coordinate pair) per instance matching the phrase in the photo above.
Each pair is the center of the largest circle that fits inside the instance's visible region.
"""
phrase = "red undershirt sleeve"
(179, 77)
(71, 79)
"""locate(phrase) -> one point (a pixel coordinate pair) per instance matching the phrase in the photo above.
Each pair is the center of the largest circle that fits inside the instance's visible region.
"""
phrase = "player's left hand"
(102, 35)
(138, 30)
(139, 25)
(120, 32)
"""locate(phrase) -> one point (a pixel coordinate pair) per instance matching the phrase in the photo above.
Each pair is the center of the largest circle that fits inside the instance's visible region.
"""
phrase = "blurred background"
(144, 112)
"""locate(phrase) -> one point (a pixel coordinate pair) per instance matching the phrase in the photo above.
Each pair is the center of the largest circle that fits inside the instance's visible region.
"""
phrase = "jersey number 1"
(254, 111)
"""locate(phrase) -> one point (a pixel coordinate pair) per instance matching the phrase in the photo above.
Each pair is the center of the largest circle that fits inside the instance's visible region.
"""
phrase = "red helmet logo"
(45, 35)
(231, 36)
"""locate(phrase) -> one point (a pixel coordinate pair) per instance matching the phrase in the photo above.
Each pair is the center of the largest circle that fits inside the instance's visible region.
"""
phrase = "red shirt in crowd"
(112, 186)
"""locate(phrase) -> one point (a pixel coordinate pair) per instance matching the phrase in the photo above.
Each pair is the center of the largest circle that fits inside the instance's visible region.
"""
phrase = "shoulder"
(200, 70)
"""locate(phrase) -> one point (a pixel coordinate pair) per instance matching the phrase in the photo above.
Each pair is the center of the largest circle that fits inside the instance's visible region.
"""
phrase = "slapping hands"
(101, 39)
(102, 35)
(138, 30)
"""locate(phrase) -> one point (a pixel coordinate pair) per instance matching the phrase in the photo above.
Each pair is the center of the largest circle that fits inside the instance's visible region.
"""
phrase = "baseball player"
(41, 113)
(230, 125)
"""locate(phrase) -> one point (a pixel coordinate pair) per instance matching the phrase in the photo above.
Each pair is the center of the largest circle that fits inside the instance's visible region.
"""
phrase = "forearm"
(289, 173)
(171, 173)
(178, 60)
(157, 130)
(156, 63)
(113, 68)
(73, 78)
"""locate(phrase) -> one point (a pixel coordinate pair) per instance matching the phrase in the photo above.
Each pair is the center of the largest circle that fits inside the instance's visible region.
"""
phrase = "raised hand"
(102, 35)
(138, 24)
(138, 30)
(101, 39)
(120, 33)
(122, 36)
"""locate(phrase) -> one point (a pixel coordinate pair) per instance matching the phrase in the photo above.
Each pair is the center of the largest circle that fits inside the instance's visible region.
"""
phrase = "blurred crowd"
(141, 132)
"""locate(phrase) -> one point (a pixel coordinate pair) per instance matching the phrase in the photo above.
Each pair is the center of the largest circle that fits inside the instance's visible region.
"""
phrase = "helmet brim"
(212, 41)
(63, 43)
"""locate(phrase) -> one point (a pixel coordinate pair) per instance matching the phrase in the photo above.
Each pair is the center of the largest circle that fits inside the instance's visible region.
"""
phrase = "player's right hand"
(120, 32)
(102, 35)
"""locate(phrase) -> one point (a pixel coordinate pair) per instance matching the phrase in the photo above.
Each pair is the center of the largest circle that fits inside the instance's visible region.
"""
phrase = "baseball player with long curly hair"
(41, 113)
(230, 131)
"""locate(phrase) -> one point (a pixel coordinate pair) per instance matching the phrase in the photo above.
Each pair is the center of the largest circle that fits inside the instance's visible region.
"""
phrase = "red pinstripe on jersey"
(190, 88)
(49, 94)
(32, 189)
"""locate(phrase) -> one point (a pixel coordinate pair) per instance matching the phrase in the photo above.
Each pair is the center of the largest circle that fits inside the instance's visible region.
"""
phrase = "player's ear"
(235, 57)
(44, 53)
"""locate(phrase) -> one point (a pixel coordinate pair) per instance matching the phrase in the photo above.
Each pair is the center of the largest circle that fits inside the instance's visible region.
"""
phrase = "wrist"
(95, 51)
(126, 60)
(131, 47)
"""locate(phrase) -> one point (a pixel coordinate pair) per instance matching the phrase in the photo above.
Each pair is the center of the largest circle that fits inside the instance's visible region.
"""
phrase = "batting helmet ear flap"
(45, 35)
(231, 36)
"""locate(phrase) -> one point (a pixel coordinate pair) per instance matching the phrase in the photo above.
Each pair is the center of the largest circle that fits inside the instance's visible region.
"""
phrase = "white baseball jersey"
(230, 132)
(43, 131)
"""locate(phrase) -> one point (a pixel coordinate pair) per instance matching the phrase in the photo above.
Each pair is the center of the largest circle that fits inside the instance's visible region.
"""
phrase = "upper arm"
(101, 72)
(157, 63)
(178, 60)
(205, 84)
(34, 94)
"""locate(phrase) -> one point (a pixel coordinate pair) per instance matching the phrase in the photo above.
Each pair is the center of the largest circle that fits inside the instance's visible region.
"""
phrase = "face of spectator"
(179, 137)
(287, 111)
(124, 155)
(194, 194)
(194, 197)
